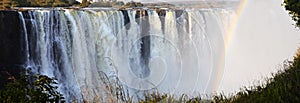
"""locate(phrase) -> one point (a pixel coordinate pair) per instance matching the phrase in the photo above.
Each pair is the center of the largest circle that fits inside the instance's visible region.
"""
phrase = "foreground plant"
(29, 89)
(293, 7)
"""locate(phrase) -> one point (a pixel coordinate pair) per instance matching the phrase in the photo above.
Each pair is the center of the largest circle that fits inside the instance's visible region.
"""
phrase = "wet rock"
(12, 49)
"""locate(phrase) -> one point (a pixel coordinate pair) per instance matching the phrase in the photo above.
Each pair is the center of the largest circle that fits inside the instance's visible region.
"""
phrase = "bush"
(41, 90)
(293, 6)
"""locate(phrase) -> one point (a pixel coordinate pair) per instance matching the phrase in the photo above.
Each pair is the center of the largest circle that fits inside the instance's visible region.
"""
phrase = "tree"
(293, 6)
(23, 90)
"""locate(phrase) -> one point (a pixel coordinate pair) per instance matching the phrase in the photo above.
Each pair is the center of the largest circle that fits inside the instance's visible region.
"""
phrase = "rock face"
(11, 43)
(8, 75)
(11, 46)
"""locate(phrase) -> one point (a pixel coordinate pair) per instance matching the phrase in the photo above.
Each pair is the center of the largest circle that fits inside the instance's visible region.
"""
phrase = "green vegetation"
(156, 97)
(293, 6)
(7, 4)
(120, 4)
(107, 4)
(23, 90)
(37, 3)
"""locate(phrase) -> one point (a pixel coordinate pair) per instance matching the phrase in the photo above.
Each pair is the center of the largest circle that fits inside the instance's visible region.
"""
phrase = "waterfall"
(164, 49)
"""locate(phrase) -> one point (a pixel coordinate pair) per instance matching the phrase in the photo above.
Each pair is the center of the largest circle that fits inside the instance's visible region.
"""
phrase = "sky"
(263, 39)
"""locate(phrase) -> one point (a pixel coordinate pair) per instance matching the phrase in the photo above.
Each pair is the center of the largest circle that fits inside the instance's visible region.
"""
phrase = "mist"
(264, 39)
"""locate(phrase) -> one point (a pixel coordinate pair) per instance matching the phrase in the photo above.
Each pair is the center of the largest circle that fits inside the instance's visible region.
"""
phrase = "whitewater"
(93, 51)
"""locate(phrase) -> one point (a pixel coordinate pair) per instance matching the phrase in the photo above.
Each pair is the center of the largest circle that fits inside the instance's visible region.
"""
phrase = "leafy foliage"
(293, 6)
(42, 90)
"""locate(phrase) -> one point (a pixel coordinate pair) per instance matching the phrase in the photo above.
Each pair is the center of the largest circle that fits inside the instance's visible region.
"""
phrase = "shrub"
(28, 89)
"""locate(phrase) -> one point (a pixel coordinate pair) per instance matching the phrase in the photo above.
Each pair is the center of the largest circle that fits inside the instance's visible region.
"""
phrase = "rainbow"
(227, 40)
(234, 23)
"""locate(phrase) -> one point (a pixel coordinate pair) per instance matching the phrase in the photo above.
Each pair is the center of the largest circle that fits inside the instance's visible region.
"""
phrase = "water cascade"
(166, 49)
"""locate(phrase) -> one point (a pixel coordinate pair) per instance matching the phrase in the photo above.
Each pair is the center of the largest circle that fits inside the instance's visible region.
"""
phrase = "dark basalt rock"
(126, 19)
(8, 74)
(179, 13)
(140, 13)
(12, 48)
(143, 21)
(162, 14)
